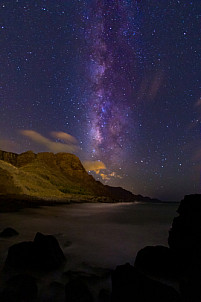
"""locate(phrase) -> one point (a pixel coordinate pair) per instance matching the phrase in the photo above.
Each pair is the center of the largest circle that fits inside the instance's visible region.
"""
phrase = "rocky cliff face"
(9, 157)
(66, 161)
(61, 172)
(47, 174)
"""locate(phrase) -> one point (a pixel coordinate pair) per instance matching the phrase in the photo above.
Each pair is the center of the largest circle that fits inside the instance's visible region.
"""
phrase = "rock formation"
(8, 232)
(21, 287)
(130, 285)
(181, 262)
(185, 234)
(157, 261)
(44, 253)
(54, 176)
(77, 291)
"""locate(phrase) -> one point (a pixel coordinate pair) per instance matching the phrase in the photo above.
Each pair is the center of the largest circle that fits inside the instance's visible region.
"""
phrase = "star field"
(122, 78)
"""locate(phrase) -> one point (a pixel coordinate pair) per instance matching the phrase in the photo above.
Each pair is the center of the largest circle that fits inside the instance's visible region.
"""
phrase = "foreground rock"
(131, 286)
(185, 235)
(181, 262)
(55, 292)
(185, 241)
(20, 288)
(77, 291)
(8, 232)
(44, 253)
(104, 295)
(158, 261)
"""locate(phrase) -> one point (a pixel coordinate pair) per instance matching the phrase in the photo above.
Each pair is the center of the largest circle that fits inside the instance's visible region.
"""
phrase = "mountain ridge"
(60, 176)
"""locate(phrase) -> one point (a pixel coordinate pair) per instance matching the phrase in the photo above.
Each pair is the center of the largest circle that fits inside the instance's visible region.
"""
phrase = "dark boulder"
(157, 261)
(185, 234)
(190, 285)
(8, 232)
(21, 255)
(77, 291)
(20, 288)
(185, 241)
(191, 204)
(189, 291)
(49, 254)
(104, 295)
(129, 285)
(55, 292)
(44, 253)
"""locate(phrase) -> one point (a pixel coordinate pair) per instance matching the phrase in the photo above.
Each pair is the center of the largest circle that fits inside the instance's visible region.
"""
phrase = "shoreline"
(13, 203)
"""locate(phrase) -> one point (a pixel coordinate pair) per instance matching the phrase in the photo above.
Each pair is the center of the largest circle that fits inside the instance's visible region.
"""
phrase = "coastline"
(14, 203)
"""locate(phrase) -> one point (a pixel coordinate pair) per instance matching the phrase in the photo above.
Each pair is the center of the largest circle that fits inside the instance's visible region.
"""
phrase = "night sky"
(115, 82)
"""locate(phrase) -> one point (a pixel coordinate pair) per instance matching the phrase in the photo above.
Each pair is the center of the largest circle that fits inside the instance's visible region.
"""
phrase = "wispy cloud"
(109, 176)
(95, 166)
(100, 169)
(155, 85)
(104, 176)
(70, 144)
(65, 137)
(115, 175)
(198, 103)
(150, 87)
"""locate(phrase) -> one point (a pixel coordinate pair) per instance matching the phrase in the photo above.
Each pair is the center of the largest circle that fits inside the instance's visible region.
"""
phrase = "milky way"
(109, 122)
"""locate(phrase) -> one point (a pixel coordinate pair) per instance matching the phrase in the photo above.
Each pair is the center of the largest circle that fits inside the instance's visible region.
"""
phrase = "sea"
(93, 235)
(99, 233)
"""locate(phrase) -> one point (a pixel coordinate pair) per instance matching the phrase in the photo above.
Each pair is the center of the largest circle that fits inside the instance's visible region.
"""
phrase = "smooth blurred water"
(101, 235)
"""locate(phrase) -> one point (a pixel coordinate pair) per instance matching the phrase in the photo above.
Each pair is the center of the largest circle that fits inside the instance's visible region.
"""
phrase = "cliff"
(54, 176)
(45, 174)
